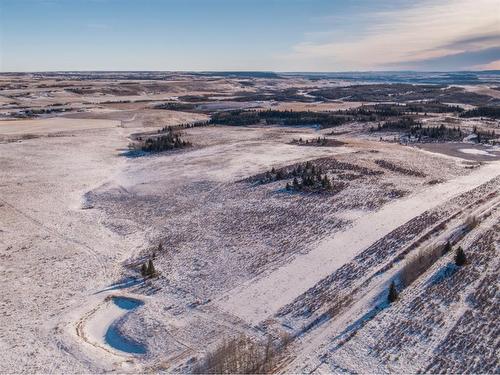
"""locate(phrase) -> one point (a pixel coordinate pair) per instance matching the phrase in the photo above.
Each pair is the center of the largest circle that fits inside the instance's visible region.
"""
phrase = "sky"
(248, 35)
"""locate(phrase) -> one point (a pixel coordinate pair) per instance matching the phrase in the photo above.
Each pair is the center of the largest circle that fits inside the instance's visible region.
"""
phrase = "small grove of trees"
(441, 132)
(417, 130)
(313, 142)
(403, 123)
(240, 355)
(171, 128)
(306, 177)
(423, 260)
(419, 263)
(301, 170)
(176, 106)
(311, 183)
(169, 141)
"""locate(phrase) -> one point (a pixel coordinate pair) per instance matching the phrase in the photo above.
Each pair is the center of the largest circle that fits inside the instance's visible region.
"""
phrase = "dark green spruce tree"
(393, 293)
(460, 258)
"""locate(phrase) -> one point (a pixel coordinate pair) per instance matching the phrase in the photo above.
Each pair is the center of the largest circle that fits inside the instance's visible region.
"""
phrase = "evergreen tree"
(393, 293)
(144, 270)
(460, 258)
(326, 183)
(151, 268)
(288, 187)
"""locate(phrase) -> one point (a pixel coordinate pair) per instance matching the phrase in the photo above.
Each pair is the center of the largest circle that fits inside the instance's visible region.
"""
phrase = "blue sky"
(279, 35)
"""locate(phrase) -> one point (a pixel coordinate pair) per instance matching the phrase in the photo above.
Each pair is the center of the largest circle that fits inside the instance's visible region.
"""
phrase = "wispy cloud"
(427, 31)
(468, 59)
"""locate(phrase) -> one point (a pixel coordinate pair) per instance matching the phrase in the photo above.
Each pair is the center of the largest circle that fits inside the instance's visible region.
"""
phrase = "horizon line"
(251, 71)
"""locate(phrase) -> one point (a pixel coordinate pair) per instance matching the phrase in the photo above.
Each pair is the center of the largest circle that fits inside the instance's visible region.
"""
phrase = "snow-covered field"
(79, 217)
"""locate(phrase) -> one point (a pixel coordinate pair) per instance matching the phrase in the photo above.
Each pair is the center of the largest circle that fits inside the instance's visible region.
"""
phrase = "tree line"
(488, 111)
(275, 117)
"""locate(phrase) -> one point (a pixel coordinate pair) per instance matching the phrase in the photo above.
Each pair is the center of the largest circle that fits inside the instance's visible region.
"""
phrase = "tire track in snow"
(89, 250)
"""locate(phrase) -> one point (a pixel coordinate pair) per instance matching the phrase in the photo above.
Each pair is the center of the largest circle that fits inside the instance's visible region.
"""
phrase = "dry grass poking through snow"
(240, 355)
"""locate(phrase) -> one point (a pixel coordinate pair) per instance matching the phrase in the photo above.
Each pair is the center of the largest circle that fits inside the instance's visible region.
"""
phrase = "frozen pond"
(113, 336)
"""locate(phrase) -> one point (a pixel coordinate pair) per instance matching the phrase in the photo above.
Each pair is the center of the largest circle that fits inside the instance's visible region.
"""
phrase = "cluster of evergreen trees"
(176, 106)
(197, 124)
(404, 123)
(317, 141)
(166, 142)
(313, 183)
(490, 111)
(306, 177)
(39, 111)
(274, 175)
(415, 129)
(441, 132)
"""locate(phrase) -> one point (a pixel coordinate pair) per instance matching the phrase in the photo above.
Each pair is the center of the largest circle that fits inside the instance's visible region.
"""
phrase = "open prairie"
(185, 222)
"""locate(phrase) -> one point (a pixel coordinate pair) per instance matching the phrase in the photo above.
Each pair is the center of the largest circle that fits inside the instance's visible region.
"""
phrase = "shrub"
(419, 263)
(471, 222)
